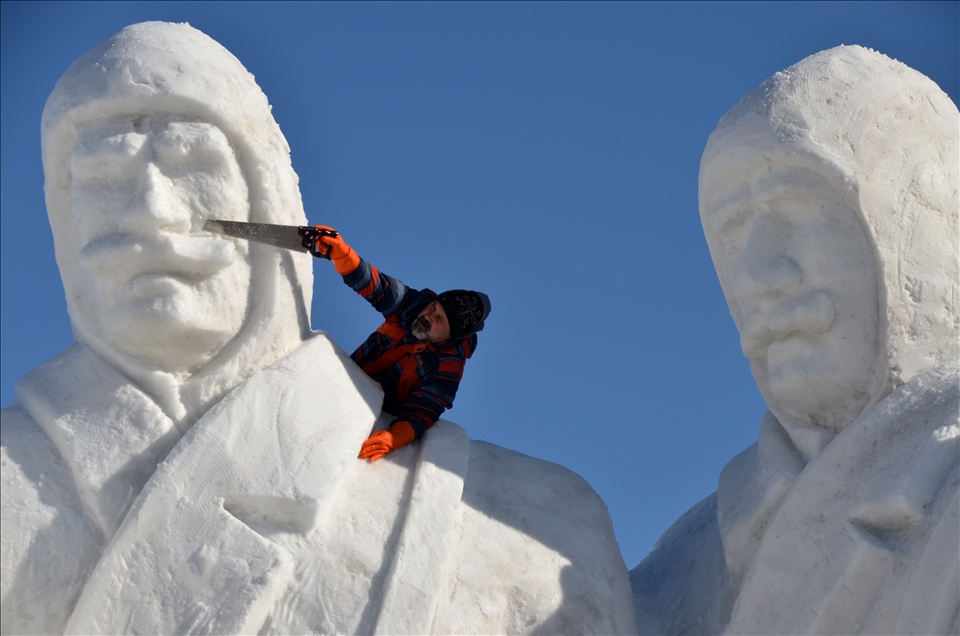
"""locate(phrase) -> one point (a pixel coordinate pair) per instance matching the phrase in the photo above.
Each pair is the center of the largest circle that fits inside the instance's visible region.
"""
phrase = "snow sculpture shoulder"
(189, 465)
(829, 200)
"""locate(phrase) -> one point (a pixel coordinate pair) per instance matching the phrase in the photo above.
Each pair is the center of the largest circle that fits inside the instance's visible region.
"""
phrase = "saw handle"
(311, 240)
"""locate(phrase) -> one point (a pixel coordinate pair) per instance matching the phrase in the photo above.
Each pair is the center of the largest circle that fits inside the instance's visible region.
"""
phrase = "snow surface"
(189, 465)
(829, 200)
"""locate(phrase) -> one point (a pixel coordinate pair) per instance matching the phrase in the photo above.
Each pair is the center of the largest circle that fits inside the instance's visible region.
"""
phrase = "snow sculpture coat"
(863, 536)
(232, 501)
(261, 519)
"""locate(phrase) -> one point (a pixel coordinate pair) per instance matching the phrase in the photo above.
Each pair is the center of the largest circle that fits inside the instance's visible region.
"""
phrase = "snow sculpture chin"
(189, 464)
(829, 200)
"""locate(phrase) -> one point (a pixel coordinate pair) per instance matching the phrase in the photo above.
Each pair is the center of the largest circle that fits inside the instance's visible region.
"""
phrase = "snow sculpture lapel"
(109, 433)
(751, 486)
(412, 590)
(873, 516)
(194, 554)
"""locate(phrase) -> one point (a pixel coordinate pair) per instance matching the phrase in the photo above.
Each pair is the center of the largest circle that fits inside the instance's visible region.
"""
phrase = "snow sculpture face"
(140, 189)
(830, 200)
(147, 134)
(802, 273)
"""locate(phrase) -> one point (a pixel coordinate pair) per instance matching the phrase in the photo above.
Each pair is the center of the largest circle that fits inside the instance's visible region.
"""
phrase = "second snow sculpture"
(189, 465)
(829, 200)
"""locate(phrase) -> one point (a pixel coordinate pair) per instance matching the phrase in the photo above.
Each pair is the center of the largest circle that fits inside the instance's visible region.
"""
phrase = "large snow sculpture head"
(151, 132)
(829, 200)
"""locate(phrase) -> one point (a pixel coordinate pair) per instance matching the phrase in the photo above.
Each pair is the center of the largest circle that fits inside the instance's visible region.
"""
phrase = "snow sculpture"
(189, 465)
(829, 202)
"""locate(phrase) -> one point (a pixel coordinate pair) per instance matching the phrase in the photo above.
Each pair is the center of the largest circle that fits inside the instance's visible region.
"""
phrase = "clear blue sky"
(545, 153)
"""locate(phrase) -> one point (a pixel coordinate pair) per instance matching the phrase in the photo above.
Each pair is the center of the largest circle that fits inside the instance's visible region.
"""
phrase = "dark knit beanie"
(466, 311)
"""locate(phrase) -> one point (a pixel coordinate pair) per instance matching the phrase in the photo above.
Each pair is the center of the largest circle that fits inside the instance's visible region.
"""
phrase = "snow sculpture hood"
(886, 138)
(158, 68)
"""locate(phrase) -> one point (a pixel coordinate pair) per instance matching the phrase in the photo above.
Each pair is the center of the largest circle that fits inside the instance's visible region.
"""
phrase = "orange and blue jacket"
(419, 379)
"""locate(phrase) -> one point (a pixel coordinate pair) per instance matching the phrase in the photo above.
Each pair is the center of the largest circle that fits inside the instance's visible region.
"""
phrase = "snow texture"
(829, 201)
(189, 464)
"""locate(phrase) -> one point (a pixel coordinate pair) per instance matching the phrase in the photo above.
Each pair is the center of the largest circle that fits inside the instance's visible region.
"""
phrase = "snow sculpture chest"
(867, 540)
(210, 543)
(261, 519)
(271, 455)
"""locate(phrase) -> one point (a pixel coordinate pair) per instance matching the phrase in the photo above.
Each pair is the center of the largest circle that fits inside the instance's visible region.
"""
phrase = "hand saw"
(300, 238)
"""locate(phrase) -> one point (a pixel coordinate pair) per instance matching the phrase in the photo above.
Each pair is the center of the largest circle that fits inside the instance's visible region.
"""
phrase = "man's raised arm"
(385, 293)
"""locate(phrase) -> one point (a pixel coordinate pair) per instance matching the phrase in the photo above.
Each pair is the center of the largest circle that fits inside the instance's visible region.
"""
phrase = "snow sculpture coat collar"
(269, 457)
(108, 432)
(159, 68)
(874, 516)
(886, 138)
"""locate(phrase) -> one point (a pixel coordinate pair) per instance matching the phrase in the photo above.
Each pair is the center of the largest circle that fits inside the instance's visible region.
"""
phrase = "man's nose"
(156, 206)
(766, 268)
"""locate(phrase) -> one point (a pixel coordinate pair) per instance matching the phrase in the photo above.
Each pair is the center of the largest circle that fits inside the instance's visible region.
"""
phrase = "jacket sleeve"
(435, 394)
(385, 293)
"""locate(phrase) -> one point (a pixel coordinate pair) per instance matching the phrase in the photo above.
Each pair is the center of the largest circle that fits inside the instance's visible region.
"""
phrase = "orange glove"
(382, 442)
(345, 260)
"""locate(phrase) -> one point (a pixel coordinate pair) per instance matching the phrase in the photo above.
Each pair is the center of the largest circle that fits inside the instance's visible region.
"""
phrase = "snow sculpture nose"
(765, 268)
(156, 206)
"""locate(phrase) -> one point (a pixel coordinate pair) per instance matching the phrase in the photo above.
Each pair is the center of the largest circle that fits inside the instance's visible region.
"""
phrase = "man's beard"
(418, 331)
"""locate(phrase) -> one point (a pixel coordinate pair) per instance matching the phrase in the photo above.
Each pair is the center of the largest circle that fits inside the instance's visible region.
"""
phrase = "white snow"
(190, 464)
(829, 200)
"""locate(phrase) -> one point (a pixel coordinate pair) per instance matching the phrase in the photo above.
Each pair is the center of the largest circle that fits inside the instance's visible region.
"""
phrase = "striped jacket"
(419, 379)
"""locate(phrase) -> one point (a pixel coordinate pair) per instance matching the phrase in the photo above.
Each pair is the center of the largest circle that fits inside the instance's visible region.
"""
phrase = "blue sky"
(545, 153)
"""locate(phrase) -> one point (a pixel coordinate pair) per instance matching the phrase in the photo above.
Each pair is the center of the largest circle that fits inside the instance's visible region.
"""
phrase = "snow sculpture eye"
(729, 208)
(103, 160)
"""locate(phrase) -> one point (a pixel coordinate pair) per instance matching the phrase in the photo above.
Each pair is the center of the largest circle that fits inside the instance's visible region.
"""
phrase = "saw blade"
(285, 236)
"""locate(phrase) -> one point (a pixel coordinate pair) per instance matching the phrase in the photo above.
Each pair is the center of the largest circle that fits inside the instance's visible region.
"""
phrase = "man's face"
(140, 189)
(432, 325)
(802, 272)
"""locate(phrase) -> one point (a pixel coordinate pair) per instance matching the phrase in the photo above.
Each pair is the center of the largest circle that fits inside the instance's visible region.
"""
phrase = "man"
(418, 354)
(828, 198)
(189, 464)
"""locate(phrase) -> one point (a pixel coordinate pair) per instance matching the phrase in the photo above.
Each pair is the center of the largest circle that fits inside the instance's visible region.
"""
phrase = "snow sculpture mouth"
(811, 314)
(130, 257)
